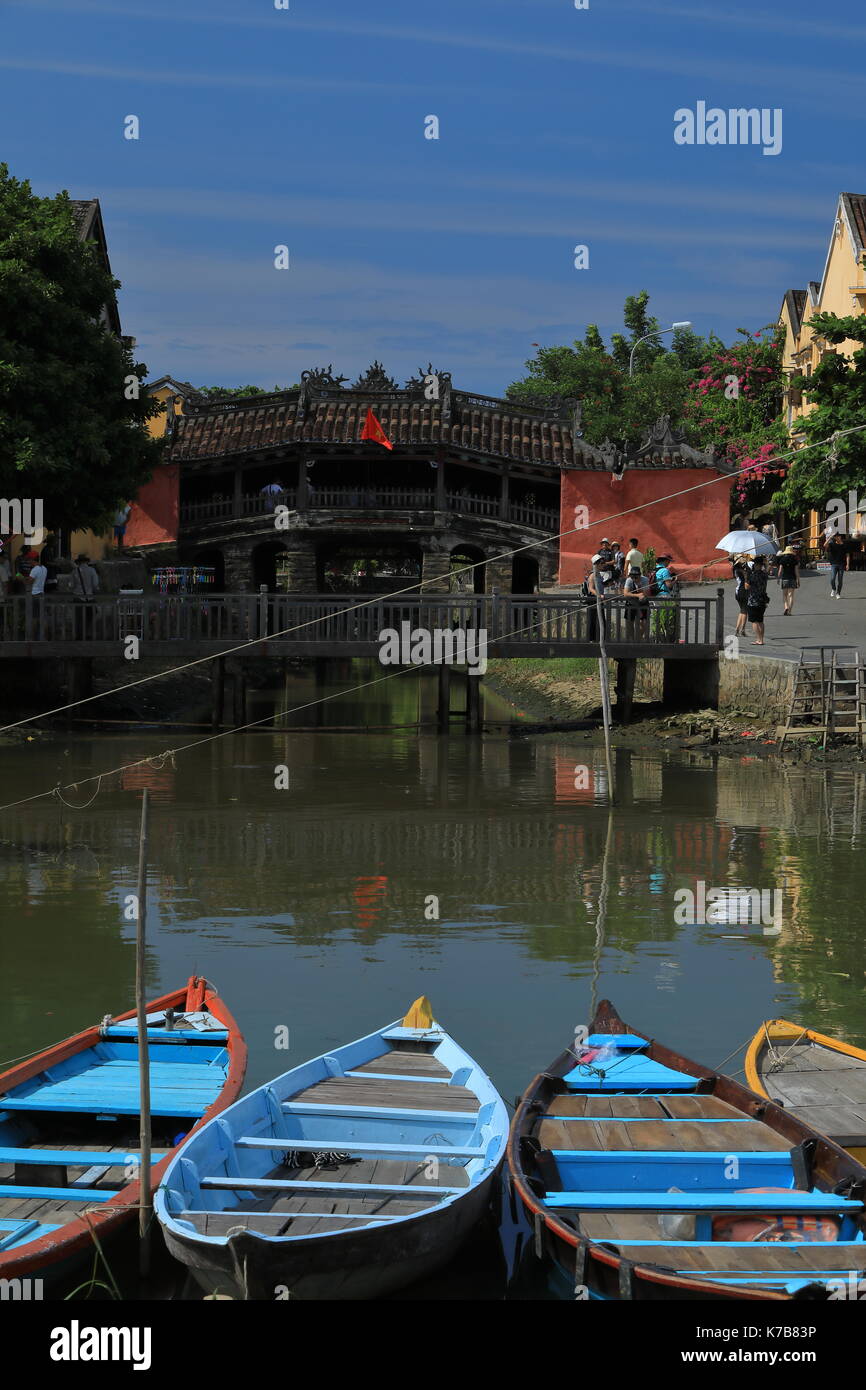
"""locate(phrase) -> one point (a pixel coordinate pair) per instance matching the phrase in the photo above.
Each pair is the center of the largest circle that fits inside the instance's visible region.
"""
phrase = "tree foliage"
(220, 393)
(72, 416)
(690, 381)
(836, 392)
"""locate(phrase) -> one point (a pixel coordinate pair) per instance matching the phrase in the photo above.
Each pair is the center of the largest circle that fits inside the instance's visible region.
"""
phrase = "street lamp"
(673, 328)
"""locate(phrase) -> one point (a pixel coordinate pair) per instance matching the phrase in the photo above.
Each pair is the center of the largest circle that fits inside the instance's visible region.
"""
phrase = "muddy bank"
(550, 702)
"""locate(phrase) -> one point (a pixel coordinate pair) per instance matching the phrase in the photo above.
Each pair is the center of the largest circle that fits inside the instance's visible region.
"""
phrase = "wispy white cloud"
(746, 21)
(214, 316)
(192, 77)
(279, 214)
(799, 82)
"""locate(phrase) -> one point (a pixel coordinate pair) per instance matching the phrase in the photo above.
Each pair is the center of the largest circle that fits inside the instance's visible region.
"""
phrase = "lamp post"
(673, 328)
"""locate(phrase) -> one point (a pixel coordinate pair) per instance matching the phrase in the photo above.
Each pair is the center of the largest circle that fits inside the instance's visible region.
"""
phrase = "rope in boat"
(779, 1059)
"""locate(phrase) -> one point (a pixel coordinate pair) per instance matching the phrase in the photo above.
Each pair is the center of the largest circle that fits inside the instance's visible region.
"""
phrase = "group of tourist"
(618, 573)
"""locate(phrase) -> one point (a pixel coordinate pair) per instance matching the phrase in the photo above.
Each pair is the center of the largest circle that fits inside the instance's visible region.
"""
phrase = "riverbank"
(566, 693)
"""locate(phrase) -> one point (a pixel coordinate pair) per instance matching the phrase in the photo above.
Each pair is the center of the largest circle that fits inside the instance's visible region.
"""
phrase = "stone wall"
(758, 685)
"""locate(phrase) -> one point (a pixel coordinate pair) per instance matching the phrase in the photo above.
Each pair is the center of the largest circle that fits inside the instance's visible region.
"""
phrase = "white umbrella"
(747, 543)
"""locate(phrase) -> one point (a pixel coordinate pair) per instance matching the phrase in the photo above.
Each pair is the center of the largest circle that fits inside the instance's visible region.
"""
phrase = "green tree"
(837, 394)
(615, 405)
(72, 416)
(230, 392)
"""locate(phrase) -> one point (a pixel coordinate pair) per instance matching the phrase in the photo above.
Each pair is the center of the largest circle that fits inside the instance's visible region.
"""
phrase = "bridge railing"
(386, 499)
(539, 620)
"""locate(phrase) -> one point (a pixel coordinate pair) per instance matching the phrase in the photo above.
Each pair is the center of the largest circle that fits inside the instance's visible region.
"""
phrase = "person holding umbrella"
(748, 545)
(756, 604)
(740, 567)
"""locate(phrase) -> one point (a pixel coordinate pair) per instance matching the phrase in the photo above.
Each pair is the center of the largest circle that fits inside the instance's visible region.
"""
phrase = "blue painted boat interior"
(241, 1159)
(69, 1136)
(689, 1189)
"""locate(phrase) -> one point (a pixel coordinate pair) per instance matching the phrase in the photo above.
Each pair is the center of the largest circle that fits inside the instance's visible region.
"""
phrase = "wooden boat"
(647, 1176)
(821, 1079)
(346, 1178)
(69, 1125)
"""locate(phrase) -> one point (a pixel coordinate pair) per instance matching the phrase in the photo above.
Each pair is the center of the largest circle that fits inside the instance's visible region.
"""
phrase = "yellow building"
(842, 291)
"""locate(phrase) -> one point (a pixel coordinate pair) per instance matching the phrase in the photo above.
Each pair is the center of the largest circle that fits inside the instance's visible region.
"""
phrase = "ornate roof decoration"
(419, 382)
(375, 379)
(322, 378)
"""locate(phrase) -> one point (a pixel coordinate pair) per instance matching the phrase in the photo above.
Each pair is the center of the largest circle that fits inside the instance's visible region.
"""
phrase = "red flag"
(373, 430)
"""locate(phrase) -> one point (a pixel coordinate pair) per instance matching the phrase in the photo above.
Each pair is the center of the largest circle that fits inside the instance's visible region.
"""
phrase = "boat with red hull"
(648, 1177)
(69, 1126)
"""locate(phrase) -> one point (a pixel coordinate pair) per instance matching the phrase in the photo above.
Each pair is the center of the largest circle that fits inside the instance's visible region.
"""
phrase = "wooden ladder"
(829, 696)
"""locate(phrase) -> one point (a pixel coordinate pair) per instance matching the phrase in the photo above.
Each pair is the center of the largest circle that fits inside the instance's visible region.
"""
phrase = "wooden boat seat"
(111, 1088)
(63, 1194)
(658, 1169)
(306, 1106)
(74, 1158)
(14, 1233)
(129, 1033)
(793, 1203)
(241, 1184)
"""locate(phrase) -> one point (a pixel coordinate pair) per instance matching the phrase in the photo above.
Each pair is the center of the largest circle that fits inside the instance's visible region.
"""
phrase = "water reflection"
(311, 906)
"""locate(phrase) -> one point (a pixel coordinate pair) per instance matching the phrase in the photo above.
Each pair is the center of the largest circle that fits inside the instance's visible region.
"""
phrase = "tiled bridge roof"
(322, 412)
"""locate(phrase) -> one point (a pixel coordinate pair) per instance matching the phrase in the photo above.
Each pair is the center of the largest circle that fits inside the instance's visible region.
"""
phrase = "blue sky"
(305, 127)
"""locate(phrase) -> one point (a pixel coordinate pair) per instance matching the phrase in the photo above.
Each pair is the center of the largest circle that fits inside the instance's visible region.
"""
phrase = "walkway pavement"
(817, 618)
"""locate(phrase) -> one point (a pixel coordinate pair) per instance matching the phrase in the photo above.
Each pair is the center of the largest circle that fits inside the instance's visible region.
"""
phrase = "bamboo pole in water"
(605, 686)
(144, 1198)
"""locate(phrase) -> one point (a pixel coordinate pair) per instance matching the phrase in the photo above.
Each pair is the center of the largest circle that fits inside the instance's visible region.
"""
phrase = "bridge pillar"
(498, 574)
(435, 571)
(626, 669)
(691, 684)
(473, 704)
(79, 678)
(301, 568)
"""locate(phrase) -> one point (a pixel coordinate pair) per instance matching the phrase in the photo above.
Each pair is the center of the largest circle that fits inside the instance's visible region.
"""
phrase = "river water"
(315, 907)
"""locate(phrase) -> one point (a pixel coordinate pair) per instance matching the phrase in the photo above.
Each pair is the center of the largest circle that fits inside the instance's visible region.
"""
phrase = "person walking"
(837, 554)
(788, 574)
(756, 588)
(36, 581)
(740, 569)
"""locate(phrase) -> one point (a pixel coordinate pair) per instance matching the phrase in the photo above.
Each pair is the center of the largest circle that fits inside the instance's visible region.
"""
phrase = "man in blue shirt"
(666, 624)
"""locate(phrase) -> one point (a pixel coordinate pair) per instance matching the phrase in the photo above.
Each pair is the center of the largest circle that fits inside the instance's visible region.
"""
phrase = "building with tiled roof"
(468, 479)
(87, 216)
(841, 291)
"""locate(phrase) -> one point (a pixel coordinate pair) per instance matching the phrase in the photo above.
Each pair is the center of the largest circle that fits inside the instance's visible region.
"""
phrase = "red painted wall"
(686, 528)
(154, 516)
